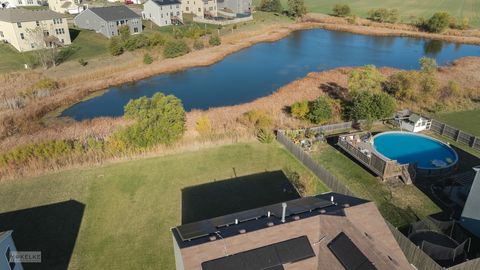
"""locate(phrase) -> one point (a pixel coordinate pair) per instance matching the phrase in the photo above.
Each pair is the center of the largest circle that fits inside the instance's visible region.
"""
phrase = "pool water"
(406, 148)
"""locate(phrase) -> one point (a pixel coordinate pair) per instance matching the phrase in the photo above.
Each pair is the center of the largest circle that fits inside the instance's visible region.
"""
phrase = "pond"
(261, 69)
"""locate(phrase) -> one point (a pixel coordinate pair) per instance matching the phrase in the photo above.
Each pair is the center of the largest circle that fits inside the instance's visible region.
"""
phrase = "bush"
(320, 110)
(383, 15)
(296, 8)
(214, 40)
(367, 78)
(147, 59)
(115, 47)
(175, 48)
(402, 85)
(158, 120)
(300, 109)
(428, 65)
(124, 32)
(265, 135)
(65, 53)
(46, 84)
(372, 106)
(198, 44)
(437, 23)
(341, 10)
(257, 119)
(271, 6)
(82, 62)
(136, 42)
(465, 23)
(156, 40)
(203, 125)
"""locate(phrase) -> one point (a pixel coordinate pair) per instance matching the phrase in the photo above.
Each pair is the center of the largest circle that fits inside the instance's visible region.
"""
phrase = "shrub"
(341, 10)
(115, 47)
(203, 125)
(300, 109)
(465, 23)
(158, 120)
(82, 62)
(147, 59)
(136, 42)
(194, 31)
(296, 8)
(271, 6)
(214, 40)
(373, 106)
(367, 78)
(428, 65)
(438, 22)
(383, 15)
(320, 110)
(124, 32)
(156, 40)
(265, 135)
(453, 88)
(257, 119)
(65, 53)
(402, 85)
(175, 48)
(198, 44)
(46, 84)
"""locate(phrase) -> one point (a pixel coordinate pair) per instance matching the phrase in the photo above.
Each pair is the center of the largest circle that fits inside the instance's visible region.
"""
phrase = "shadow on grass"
(51, 229)
(73, 33)
(233, 195)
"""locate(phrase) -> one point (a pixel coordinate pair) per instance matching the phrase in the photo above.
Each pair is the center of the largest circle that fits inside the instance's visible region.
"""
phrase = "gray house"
(7, 247)
(235, 6)
(107, 20)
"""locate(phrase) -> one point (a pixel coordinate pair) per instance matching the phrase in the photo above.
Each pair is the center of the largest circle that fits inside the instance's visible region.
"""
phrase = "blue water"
(409, 147)
(261, 69)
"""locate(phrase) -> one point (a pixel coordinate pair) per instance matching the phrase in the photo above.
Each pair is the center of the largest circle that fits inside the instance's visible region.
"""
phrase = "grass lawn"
(11, 59)
(468, 121)
(89, 44)
(130, 207)
(398, 203)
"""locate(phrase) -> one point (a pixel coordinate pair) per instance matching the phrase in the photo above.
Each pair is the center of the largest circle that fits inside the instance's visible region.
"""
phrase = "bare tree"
(45, 45)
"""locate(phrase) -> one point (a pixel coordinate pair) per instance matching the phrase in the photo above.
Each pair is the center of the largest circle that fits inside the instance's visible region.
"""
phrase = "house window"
(22, 36)
(7, 255)
(60, 31)
(178, 6)
(171, 14)
(178, 13)
(135, 29)
(30, 2)
(161, 15)
(32, 45)
(187, 8)
(38, 23)
(20, 2)
(1, 34)
(19, 25)
(199, 10)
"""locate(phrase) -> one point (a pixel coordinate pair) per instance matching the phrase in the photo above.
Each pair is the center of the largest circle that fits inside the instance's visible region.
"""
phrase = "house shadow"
(51, 229)
(73, 33)
(236, 194)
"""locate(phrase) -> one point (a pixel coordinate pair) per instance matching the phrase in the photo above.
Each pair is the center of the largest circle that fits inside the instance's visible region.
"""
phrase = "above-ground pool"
(427, 153)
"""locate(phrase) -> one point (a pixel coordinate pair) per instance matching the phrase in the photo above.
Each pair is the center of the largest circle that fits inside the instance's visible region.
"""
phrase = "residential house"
(108, 20)
(7, 246)
(237, 7)
(67, 6)
(163, 12)
(327, 231)
(200, 8)
(22, 3)
(28, 30)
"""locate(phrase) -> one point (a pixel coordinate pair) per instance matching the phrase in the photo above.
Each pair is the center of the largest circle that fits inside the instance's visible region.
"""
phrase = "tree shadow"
(51, 229)
(234, 195)
(335, 91)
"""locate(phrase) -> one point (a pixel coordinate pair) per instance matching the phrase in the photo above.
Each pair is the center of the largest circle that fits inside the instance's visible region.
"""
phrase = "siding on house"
(107, 20)
(161, 12)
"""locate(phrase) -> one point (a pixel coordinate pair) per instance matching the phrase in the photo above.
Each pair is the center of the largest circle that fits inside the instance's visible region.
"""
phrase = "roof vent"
(284, 211)
(331, 199)
(270, 224)
(296, 218)
(212, 238)
(242, 231)
(268, 214)
(236, 221)
(322, 211)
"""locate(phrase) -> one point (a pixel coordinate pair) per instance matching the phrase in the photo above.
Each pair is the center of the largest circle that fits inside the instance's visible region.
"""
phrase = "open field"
(468, 121)
(124, 211)
(409, 9)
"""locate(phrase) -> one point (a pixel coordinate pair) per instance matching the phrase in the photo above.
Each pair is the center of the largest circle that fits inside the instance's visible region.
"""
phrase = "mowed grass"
(399, 204)
(11, 59)
(468, 121)
(130, 207)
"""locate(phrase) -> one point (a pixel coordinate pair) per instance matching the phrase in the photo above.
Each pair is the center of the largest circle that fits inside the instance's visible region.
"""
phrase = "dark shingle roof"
(14, 15)
(166, 2)
(115, 13)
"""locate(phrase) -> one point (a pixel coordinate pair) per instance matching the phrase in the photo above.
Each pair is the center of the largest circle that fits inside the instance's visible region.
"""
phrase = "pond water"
(261, 69)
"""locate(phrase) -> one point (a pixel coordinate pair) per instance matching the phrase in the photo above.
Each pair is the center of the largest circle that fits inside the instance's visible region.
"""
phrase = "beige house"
(200, 8)
(23, 3)
(67, 6)
(28, 30)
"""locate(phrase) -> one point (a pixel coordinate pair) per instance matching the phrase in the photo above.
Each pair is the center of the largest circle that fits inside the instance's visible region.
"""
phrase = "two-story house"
(200, 8)
(67, 6)
(28, 30)
(108, 20)
(163, 12)
(22, 3)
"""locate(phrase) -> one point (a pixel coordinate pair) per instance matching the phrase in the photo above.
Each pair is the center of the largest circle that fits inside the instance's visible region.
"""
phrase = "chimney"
(284, 211)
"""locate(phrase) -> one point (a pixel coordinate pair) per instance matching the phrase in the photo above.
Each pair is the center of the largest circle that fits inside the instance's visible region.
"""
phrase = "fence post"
(472, 144)
(458, 135)
(443, 129)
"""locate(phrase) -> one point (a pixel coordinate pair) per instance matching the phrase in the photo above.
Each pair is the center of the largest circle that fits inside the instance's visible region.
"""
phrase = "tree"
(124, 32)
(465, 23)
(45, 50)
(371, 106)
(159, 119)
(341, 10)
(296, 8)
(383, 15)
(428, 65)
(271, 6)
(175, 48)
(115, 47)
(428, 81)
(300, 109)
(147, 59)
(438, 22)
(403, 85)
(214, 40)
(320, 110)
(367, 78)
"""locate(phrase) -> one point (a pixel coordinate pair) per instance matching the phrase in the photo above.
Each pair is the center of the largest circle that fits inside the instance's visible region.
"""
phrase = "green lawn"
(468, 121)
(131, 206)
(11, 59)
(407, 8)
(398, 203)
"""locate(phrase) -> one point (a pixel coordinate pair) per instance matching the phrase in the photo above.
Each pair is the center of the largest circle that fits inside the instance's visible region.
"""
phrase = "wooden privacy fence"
(455, 134)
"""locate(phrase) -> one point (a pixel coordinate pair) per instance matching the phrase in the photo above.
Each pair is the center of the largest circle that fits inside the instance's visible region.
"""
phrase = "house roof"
(114, 13)
(348, 253)
(14, 15)
(414, 117)
(166, 2)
